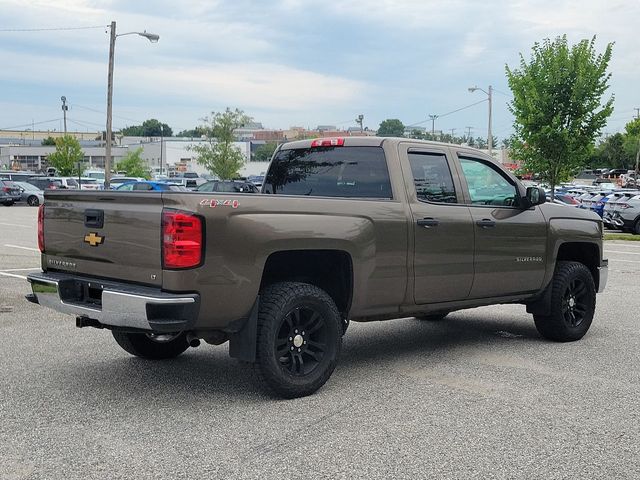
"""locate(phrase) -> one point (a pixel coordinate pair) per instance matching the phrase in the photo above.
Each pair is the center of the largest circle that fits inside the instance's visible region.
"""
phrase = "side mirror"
(535, 196)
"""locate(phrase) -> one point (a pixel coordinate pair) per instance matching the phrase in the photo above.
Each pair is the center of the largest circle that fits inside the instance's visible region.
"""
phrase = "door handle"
(486, 223)
(428, 222)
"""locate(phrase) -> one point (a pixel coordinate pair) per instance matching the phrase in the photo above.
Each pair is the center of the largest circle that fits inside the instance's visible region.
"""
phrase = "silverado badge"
(94, 239)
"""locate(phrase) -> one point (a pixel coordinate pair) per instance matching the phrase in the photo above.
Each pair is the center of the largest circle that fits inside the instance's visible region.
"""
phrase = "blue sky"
(293, 62)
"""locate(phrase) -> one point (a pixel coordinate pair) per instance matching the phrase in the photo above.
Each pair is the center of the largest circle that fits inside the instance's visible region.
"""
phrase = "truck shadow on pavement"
(208, 373)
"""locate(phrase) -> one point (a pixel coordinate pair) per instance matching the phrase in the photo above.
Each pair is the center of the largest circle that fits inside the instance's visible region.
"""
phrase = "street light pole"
(153, 38)
(489, 133)
(433, 125)
(161, 155)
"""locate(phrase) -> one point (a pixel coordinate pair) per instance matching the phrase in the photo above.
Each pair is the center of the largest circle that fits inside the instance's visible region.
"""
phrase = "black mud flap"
(542, 304)
(242, 344)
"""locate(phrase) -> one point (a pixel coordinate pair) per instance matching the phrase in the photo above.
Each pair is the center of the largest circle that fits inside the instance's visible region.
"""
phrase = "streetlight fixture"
(490, 95)
(153, 38)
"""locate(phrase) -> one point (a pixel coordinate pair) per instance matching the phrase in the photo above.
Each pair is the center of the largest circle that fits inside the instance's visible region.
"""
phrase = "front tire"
(152, 346)
(636, 227)
(299, 338)
(573, 304)
(33, 201)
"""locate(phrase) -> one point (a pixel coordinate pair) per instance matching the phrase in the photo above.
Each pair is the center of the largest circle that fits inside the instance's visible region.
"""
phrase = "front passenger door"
(510, 242)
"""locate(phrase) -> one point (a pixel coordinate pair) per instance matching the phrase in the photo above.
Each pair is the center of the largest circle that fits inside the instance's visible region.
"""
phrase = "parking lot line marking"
(22, 248)
(624, 253)
(19, 269)
(15, 225)
(13, 275)
(623, 245)
(625, 261)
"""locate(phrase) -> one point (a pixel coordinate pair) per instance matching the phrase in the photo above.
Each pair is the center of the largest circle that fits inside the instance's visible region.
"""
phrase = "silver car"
(627, 214)
(30, 193)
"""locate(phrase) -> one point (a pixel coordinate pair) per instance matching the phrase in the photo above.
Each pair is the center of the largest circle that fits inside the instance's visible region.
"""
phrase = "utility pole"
(359, 121)
(64, 112)
(637, 112)
(453, 131)
(433, 125)
(469, 132)
(490, 134)
(107, 146)
(161, 135)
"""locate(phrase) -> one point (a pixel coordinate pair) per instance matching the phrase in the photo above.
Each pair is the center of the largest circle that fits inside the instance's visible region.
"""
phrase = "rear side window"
(353, 172)
(432, 177)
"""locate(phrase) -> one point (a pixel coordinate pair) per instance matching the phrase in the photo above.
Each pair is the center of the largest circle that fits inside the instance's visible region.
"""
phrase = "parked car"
(45, 183)
(563, 199)
(257, 180)
(627, 214)
(228, 186)
(115, 182)
(148, 186)
(10, 192)
(30, 193)
(189, 180)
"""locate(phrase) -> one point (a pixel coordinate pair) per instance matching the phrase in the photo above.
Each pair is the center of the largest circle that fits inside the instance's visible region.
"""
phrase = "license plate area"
(82, 293)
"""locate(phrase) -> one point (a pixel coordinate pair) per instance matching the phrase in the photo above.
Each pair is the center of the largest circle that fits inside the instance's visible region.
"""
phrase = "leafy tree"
(48, 142)
(149, 128)
(67, 157)
(218, 154)
(557, 106)
(194, 132)
(264, 152)
(480, 143)
(133, 165)
(391, 127)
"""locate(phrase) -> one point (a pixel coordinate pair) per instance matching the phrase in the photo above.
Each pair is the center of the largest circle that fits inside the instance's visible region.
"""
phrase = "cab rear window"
(351, 172)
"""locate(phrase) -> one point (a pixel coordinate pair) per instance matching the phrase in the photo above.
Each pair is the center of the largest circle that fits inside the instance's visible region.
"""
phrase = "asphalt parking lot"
(479, 395)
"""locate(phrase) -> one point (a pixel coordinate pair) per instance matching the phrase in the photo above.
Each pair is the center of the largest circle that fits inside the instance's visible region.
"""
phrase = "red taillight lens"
(41, 228)
(327, 142)
(182, 239)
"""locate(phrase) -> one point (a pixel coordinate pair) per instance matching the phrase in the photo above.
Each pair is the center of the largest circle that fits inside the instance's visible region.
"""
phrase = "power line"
(2, 30)
(31, 124)
(449, 113)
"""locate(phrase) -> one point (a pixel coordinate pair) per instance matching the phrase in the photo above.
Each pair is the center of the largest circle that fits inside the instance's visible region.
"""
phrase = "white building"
(34, 158)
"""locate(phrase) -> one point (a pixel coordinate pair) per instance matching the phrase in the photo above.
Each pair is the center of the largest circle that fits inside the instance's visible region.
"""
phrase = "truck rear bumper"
(115, 304)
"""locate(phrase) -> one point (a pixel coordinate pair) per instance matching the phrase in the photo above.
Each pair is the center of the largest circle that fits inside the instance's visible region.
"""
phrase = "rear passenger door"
(442, 226)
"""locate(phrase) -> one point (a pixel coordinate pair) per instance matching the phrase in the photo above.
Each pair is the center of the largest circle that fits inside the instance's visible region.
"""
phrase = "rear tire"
(151, 346)
(299, 338)
(573, 304)
(33, 201)
(8, 204)
(636, 227)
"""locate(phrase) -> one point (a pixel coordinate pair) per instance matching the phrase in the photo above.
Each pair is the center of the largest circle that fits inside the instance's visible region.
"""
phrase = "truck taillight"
(182, 239)
(41, 228)
(327, 142)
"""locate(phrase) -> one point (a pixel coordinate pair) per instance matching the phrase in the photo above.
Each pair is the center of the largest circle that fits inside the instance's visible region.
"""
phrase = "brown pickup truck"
(345, 229)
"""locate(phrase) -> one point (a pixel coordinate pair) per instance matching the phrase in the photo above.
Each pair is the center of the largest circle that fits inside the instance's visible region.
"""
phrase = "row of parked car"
(619, 209)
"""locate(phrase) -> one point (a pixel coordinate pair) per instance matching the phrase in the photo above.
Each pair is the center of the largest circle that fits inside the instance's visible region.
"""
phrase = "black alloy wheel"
(301, 341)
(575, 302)
(299, 338)
(572, 303)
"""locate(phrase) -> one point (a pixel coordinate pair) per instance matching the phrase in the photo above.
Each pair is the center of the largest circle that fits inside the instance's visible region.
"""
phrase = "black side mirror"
(535, 196)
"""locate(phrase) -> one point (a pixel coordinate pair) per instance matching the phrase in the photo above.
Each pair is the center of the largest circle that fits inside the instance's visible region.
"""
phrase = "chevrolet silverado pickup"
(344, 229)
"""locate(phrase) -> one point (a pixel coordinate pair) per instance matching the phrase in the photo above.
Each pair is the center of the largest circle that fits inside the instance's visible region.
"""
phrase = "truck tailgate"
(104, 234)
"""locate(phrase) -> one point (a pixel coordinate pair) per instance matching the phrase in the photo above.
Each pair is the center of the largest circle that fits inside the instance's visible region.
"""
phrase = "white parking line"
(625, 261)
(12, 275)
(628, 243)
(22, 248)
(15, 225)
(624, 253)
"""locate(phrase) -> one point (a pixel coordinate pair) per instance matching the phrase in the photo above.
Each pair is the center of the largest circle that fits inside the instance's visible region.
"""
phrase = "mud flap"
(542, 304)
(242, 344)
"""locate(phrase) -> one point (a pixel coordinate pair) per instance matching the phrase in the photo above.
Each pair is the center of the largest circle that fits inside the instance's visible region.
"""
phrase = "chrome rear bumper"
(113, 303)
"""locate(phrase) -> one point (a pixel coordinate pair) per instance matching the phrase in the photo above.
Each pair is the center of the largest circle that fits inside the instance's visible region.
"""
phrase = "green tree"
(218, 154)
(391, 127)
(48, 142)
(133, 165)
(557, 105)
(67, 157)
(264, 152)
(149, 128)
(193, 133)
